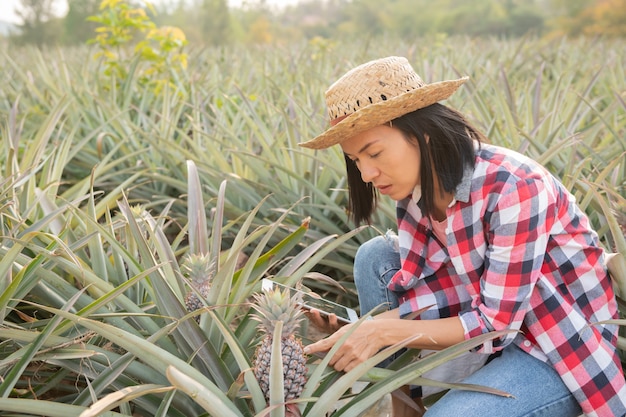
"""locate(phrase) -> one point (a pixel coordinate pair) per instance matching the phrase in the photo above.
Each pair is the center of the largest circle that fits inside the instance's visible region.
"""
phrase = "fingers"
(347, 356)
(343, 360)
(362, 344)
(319, 346)
(317, 320)
(323, 322)
(333, 322)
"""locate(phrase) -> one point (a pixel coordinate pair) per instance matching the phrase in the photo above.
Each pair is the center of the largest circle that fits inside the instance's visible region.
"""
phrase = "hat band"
(338, 119)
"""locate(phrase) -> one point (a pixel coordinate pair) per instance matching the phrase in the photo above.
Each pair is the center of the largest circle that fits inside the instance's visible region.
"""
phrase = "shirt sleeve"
(517, 223)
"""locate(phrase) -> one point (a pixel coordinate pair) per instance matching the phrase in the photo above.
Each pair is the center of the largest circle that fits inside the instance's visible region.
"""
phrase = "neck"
(442, 201)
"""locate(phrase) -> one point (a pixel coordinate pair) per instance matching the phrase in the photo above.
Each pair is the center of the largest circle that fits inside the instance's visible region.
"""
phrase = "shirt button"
(527, 343)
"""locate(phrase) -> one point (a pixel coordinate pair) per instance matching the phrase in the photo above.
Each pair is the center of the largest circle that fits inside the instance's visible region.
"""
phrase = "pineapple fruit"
(273, 306)
(199, 270)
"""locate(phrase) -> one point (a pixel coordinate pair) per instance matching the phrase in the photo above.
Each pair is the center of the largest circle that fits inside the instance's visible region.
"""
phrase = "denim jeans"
(537, 388)
(375, 263)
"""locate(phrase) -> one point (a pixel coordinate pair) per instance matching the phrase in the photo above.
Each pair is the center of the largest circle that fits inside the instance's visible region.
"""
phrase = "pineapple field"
(144, 197)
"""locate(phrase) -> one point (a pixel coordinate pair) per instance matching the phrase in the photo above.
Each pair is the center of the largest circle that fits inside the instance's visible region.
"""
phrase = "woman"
(487, 237)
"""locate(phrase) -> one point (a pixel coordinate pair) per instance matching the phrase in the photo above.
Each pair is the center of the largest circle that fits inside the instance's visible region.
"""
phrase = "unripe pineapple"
(273, 306)
(200, 271)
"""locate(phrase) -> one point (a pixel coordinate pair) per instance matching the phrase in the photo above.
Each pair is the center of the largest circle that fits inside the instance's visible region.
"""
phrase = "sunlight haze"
(7, 7)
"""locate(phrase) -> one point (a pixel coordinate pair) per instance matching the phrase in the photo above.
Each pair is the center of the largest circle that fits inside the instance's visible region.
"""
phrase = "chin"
(399, 196)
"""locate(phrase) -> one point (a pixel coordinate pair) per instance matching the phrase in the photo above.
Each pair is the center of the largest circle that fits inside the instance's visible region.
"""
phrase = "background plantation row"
(220, 22)
(108, 184)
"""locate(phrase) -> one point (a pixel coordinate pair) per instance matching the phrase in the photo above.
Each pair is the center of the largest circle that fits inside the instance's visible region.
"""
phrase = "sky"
(7, 7)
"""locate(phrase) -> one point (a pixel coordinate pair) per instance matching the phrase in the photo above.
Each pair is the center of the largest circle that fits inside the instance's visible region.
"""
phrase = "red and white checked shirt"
(519, 255)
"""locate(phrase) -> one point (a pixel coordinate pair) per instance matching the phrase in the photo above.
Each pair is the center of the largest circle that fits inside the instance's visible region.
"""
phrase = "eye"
(375, 155)
(355, 161)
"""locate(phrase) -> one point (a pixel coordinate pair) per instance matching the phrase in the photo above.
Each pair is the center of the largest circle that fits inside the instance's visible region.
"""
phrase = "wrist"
(380, 334)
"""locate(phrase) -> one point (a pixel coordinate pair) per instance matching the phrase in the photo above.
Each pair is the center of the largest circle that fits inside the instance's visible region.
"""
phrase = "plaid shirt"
(519, 255)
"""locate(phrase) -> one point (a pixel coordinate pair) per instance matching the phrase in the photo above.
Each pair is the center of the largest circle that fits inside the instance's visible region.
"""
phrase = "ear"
(427, 137)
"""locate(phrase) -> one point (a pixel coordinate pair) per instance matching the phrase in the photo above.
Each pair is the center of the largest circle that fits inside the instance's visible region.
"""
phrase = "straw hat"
(374, 93)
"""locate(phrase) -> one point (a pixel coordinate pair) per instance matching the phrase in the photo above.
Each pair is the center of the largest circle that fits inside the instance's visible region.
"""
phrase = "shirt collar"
(462, 192)
(417, 193)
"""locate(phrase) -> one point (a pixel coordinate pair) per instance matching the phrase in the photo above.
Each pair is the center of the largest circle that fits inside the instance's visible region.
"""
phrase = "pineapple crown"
(199, 268)
(277, 305)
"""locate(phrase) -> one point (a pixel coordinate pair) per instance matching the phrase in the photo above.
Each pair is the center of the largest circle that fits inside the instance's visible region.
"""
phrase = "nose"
(368, 171)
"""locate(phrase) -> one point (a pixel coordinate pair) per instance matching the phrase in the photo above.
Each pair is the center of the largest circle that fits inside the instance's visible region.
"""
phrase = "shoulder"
(503, 177)
(498, 167)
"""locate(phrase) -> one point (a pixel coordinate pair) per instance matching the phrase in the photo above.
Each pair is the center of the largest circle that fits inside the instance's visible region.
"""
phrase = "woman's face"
(386, 159)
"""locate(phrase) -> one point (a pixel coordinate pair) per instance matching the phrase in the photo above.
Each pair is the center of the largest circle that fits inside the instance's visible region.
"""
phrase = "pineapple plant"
(274, 306)
(199, 270)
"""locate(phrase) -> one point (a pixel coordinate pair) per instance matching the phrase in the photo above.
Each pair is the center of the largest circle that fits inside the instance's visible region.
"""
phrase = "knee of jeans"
(377, 245)
(370, 247)
(377, 254)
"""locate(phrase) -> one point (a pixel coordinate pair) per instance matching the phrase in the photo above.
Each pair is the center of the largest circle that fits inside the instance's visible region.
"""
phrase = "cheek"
(411, 165)
(408, 157)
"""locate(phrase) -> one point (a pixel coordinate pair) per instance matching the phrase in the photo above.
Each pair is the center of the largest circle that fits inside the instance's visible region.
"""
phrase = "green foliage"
(214, 23)
(160, 51)
(411, 18)
(99, 309)
(38, 23)
(120, 24)
(106, 188)
(78, 29)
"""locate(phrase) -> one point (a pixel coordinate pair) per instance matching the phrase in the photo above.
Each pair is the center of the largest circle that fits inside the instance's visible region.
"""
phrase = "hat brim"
(383, 112)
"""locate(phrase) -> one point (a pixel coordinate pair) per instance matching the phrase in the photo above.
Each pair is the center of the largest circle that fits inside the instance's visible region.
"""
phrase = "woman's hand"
(325, 323)
(385, 330)
(363, 343)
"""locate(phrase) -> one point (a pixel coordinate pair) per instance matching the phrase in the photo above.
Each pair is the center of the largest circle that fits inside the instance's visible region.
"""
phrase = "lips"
(384, 189)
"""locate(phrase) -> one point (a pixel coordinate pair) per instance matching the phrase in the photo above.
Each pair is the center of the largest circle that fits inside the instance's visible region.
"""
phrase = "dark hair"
(450, 150)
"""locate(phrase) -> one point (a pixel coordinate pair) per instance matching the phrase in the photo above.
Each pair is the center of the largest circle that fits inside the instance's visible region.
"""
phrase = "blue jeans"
(375, 263)
(537, 388)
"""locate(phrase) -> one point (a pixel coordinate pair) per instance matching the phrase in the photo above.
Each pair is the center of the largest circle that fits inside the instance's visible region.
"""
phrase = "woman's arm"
(385, 330)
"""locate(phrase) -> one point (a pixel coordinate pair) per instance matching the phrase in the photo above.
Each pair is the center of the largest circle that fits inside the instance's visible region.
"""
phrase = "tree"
(77, 28)
(569, 16)
(369, 17)
(215, 23)
(608, 17)
(38, 22)
(588, 17)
